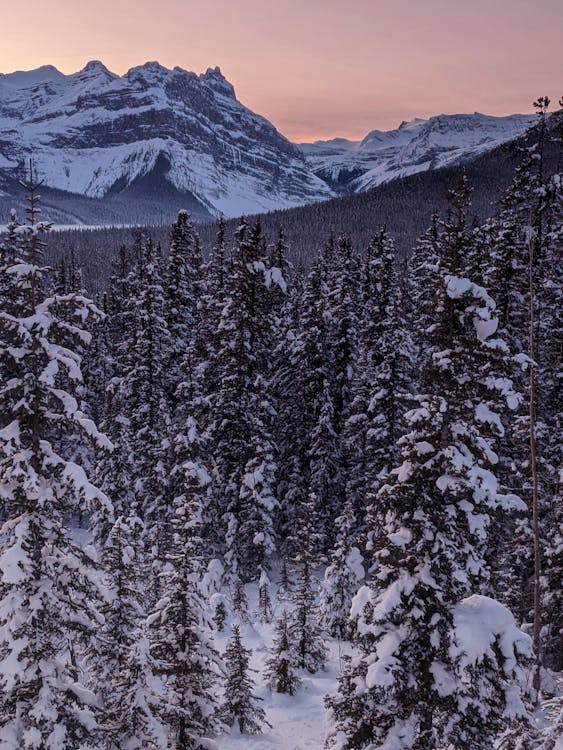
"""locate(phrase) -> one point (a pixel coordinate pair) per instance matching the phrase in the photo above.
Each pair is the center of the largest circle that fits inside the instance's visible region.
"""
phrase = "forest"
(371, 444)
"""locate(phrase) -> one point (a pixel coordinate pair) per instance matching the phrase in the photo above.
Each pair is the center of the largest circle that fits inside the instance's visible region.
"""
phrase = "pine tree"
(114, 471)
(188, 664)
(143, 395)
(49, 601)
(280, 668)
(219, 608)
(290, 423)
(257, 499)
(304, 628)
(544, 733)
(303, 368)
(382, 377)
(342, 578)
(285, 585)
(184, 293)
(265, 611)
(142, 700)
(215, 273)
(240, 430)
(123, 668)
(419, 676)
(524, 271)
(241, 705)
(240, 600)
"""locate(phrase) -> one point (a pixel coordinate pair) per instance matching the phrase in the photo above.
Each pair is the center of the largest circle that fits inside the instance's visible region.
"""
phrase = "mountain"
(415, 146)
(136, 148)
(99, 135)
(403, 205)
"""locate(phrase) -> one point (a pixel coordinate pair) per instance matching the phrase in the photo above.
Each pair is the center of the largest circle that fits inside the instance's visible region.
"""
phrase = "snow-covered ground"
(298, 722)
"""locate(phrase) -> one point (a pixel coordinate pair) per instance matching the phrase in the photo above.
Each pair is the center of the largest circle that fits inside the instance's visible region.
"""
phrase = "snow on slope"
(94, 132)
(415, 146)
(97, 134)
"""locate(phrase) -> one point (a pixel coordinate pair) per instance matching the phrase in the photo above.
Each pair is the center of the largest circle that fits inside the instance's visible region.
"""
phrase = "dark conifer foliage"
(184, 292)
(50, 595)
(430, 526)
(378, 437)
(241, 706)
(280, 674)
(304, 627)
(240, 432)
(178, 626)
(342, 578)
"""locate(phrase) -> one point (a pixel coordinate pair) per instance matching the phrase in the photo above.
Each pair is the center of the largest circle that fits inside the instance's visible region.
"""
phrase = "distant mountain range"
(139, 146)
(415, 146)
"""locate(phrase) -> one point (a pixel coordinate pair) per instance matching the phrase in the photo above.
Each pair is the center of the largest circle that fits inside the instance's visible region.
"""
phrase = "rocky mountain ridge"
(143, 144)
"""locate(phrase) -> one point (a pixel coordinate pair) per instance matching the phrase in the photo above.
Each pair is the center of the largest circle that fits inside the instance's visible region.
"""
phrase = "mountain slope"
(416, 146)
(136, 148)
(94, 133)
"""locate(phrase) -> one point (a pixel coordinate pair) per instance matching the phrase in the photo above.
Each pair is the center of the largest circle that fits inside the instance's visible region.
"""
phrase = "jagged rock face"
(416, 146)
(173, 138)
(94, 133)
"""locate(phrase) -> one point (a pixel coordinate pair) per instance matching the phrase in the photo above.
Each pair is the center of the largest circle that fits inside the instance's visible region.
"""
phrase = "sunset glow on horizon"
(315, 69)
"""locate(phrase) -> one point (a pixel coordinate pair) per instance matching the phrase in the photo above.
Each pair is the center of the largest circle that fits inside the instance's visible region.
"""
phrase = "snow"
(484, 414)
(414, 146)
(73, 110)
(401, 538)
(274, 277)
(484, 321)
(298, 722)
(479, 623)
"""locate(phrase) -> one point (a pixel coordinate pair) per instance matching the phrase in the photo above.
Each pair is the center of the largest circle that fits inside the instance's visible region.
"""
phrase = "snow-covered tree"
(305, 631)
(543, 733)
(382, 378)
(49, 595)
(342, 579)
(265, 610)
(178, 626)
(240, 600)
(240, 432)
(119, 659)
(140, 728)
(184, 294)
(425, 676)
(280, 667)
(240, 706)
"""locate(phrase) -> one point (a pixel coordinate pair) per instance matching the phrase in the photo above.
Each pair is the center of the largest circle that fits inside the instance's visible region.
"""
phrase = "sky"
(316, 68)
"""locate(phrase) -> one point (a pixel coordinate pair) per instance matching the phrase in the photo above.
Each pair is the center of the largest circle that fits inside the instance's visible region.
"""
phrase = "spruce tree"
(382, 377)
(265, 611)
(419, 676)
(120, 660)
(49, 598)
(342, 579)
(240, 419)
(142, 391)
(184, 294)
(178, 626)
(280, 667)
(240, 706)
(304, 627)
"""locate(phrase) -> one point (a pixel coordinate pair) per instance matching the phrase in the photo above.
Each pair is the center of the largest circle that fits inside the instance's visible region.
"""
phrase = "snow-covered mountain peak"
(413, 124)
(151, 73)
(95, 133)
(96, 66)
(26, 78)
(415, 146)
(217, 81)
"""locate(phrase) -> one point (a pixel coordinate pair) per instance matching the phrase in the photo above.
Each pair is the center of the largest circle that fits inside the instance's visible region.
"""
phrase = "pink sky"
(315, 68)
